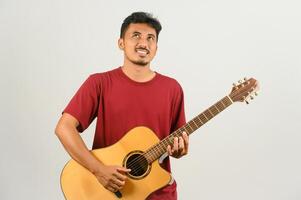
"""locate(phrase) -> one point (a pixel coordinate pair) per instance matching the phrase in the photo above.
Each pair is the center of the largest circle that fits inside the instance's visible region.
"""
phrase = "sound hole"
(138, 165)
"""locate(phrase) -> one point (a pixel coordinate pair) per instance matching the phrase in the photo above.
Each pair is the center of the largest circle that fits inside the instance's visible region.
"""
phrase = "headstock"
(244, 90)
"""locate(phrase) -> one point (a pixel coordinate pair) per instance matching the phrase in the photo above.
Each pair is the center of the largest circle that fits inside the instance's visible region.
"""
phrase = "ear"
(120, 43)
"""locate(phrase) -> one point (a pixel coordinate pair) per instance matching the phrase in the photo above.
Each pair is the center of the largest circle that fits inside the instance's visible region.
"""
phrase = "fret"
(156, 151)
(180, 131)
(205, 116)
(200, 120)
(151, 155)
(196, 126)
(159, 149)
(147, 156)
(187, 126)
(165, 142)
(184, 127)
(207, 113)
(219, 106)
(211, 112)
(230, 99)
(227, 102)
(190, 126)
(203, 119)
(216, 108)
(223, 104)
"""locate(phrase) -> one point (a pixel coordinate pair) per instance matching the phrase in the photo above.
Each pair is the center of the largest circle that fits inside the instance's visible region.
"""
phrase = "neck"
(138, 73)
(158, 149)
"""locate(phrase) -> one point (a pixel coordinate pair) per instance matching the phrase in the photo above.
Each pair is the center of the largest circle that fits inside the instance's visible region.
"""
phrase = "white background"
(49, 47)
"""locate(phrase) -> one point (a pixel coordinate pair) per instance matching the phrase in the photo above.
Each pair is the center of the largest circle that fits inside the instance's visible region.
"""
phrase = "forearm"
(75, 146)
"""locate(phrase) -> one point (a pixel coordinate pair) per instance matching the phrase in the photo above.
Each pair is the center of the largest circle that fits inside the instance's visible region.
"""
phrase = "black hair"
(140, 17)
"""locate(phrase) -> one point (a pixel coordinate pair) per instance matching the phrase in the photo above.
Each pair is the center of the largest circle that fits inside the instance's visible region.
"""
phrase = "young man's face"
(139, 44)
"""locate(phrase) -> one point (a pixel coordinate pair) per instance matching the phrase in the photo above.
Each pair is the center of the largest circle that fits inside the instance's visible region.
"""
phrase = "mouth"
(142, 52)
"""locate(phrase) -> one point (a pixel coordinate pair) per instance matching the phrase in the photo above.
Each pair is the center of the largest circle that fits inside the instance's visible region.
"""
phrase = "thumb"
(123, 169)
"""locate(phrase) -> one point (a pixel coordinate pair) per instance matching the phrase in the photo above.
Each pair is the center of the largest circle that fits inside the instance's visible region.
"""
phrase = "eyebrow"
(149, 34)
(136, 32)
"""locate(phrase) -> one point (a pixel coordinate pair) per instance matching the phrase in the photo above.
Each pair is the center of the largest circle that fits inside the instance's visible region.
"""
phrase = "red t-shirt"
(120, 104)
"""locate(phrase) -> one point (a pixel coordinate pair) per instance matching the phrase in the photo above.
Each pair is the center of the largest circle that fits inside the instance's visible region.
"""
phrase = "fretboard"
(158, 149)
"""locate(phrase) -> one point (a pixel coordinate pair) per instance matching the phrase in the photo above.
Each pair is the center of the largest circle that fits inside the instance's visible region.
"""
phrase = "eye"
(135, 35)
(150, 38)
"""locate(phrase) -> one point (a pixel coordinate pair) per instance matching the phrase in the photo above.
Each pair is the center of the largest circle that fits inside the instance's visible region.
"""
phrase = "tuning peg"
(256, 93)
(251, 97)
(240, 81)
(234, 84)
(245, 99)
(245, 78)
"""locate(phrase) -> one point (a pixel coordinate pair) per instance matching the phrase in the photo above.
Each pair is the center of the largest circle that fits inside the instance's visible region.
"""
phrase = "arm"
(111, 177)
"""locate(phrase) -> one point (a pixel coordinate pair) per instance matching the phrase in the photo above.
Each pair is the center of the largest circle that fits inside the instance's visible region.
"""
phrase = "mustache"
(141, 48)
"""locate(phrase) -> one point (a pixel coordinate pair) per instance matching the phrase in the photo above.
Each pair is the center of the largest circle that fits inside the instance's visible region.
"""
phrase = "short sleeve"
(84, 104)
(178, 114)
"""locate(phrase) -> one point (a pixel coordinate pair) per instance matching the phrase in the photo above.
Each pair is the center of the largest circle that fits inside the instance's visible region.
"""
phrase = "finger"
(169, 150)
(186, 138)
(118, 182)
(110, 188)
(116, 186)
(181, 145)
(175, 151)
(123, 170)
(120, 176)
(175, 145)
(186, 142)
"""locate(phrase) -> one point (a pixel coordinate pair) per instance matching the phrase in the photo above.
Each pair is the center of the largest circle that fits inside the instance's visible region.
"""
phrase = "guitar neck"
(159, 149)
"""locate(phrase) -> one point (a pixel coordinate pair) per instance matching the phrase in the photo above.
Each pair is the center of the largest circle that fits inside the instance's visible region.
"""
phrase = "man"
(126, 97)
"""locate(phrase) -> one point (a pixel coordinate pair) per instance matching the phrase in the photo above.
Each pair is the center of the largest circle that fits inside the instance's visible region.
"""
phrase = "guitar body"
(139, 151)
(80, 184)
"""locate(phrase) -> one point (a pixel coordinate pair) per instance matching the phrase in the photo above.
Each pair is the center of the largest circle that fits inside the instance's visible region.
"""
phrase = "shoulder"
(105, 74)
(170, 82)
(96, 82)
(102, 77)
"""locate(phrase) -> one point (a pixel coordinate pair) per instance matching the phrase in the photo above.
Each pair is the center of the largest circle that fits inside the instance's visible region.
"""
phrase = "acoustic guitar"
(139, 150)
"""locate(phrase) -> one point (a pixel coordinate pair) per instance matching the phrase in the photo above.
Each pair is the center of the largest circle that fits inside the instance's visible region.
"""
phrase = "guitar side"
(79, 184)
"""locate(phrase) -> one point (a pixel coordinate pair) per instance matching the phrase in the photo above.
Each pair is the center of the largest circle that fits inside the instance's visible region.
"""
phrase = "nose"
(142, 43)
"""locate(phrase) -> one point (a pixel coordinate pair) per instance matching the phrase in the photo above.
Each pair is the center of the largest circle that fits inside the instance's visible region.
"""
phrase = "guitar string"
(135, 164)
(152, 151)
(157, 148)
(142, 157)
(137, 161)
